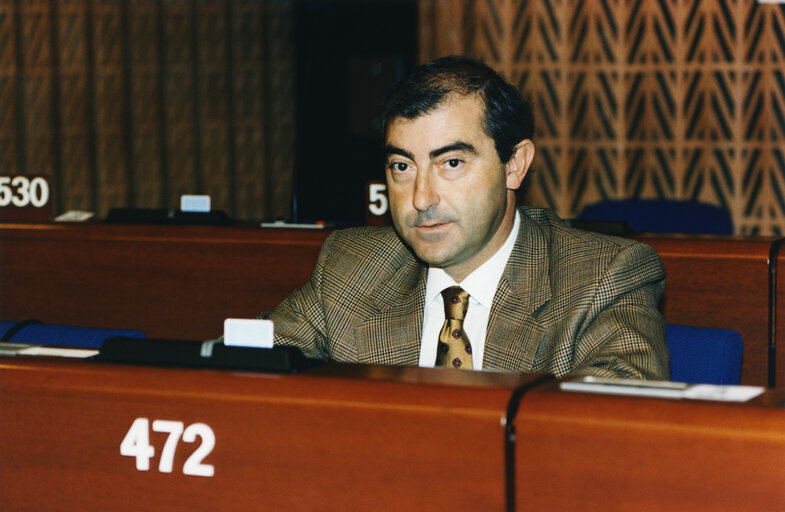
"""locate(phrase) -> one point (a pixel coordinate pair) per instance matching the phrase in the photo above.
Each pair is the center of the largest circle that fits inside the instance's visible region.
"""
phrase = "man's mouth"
(432, 226)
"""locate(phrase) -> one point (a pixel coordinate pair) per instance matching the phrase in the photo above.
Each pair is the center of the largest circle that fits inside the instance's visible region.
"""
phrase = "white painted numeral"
(39, 192)
(377, 199)
(5, 191)
(194, 466)
(22, 196)
(136, 443)
(21, 191)
(175, 430)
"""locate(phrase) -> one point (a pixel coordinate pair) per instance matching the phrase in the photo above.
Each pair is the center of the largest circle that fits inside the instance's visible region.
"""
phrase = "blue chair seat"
(63, 335)
(704, 355)
(662, 215)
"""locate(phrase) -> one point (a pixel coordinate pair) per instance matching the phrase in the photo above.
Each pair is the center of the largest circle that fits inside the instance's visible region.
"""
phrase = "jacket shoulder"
(366, 242)
(565, 242)
(363, 256)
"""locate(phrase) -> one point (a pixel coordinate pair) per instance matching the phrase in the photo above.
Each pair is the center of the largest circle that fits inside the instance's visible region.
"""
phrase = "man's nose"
(425, 195)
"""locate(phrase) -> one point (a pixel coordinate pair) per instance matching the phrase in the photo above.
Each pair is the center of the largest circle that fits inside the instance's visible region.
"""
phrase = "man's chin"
(433, 256)
(432, 246)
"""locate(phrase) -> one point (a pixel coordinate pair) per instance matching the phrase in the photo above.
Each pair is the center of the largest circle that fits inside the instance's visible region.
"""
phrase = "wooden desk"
(777, 320)
(350, 437)
(342, 438)
(182, 282)
(721, 282)
(166, 281)
(576, 451)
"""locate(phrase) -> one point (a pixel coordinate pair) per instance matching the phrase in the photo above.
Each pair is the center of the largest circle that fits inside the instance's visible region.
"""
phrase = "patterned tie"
(454, 348)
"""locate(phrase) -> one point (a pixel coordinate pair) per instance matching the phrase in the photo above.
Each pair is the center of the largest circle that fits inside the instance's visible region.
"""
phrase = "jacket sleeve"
(623, 334)
(299, 319)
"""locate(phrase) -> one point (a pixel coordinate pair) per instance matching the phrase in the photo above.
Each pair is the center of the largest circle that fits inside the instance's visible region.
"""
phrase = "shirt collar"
(481, 284)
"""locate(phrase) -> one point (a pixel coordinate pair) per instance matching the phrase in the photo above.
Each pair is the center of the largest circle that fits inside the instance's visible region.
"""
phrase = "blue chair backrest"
(62, 335)
(663, 215)
(704, 355)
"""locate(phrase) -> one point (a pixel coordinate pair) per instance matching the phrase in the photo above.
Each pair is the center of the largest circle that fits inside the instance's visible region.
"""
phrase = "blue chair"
(36, 333)
(704, 355)
(662, 216)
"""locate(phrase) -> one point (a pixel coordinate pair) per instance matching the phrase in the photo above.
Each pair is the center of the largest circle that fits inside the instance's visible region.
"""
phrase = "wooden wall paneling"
(215, 95)
(133, 103)
(593, 95)
(181, 95)
(249, 83)
(74, 185)
(765, 126)
(109, 44)
(148, 157)
(9, 89)
(639, 98)
(444, 28)
(279, 99)
(541, 72)
(36, 83)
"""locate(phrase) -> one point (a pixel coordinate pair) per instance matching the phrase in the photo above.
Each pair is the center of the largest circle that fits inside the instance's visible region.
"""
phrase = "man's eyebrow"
(389, 149)
(392, 150)
(455, 146)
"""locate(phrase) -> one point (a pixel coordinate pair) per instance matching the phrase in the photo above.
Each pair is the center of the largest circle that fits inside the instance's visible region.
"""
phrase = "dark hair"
(508, 117)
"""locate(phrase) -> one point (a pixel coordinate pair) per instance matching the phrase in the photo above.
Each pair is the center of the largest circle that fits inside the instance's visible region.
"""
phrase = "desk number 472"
(136, 443)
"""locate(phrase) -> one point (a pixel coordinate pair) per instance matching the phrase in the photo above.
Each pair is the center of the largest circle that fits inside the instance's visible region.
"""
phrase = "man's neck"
(501, 235)
(506, 248)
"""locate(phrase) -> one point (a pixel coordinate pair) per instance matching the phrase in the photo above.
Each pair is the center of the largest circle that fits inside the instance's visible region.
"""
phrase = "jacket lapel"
(391, 334)
(514, 333)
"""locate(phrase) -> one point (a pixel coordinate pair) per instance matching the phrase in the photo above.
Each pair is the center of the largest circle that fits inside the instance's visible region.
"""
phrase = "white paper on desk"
(74, 216)
(80, 353)
(634, 387)
(662, 389)
(245, 332)
(722, 393)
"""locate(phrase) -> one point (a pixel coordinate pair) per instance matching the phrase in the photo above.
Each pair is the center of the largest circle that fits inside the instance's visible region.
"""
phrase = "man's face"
(448, 190)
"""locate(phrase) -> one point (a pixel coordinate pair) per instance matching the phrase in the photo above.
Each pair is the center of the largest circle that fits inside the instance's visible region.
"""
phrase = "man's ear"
(519, 163)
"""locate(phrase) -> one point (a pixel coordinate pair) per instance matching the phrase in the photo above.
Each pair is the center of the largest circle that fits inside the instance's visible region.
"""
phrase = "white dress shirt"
(481, 286)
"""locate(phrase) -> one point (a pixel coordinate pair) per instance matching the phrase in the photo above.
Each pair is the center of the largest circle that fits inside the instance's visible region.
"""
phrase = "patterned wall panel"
(146, 154)
(638, 98)
(8, 88)
(74, 173)
(135, 102)
(35, 93)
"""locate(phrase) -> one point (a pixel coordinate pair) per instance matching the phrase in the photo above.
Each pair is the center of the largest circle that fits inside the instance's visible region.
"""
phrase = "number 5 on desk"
(136, 443)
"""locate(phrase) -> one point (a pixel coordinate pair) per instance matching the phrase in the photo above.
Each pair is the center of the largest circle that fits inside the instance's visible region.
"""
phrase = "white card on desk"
(662, 389)
(194, 203)
(244, 332)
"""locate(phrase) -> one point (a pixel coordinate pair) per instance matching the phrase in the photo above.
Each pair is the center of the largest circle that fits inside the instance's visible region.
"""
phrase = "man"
(522, 292)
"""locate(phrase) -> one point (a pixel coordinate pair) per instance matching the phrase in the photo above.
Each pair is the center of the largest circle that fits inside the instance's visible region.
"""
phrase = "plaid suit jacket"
(569, 301)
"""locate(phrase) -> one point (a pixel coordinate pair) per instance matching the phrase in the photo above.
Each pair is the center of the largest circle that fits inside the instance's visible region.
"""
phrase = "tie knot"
(456, 302)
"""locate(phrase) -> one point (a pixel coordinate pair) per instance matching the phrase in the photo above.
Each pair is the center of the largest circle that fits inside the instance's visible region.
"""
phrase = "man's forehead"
(456, 121)
(453, 102)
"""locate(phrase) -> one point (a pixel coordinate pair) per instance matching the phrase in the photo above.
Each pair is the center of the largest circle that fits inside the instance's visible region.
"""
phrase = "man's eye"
(452, 163)
(398, 166)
